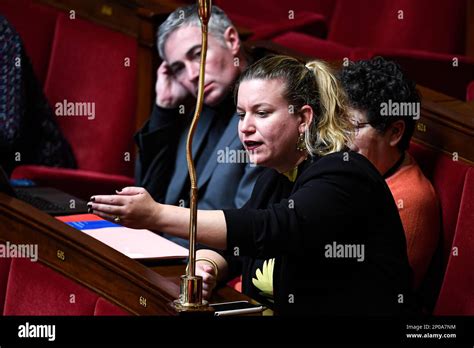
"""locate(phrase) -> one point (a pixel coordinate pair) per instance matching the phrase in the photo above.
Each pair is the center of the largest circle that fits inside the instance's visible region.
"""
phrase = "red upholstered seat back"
(313, 47)
(449, 181)
(276, 11)
(34, 289)
(94, 65)
(457, 292)
(470, 91)
(35, 23)
(104, 307)
(30, 288)
(452, 72)
(437, 26)
(447, 177)
(266, 20)
(4, 271)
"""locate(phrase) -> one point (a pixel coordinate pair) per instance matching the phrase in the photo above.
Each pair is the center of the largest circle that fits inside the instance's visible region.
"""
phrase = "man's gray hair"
(188, 16)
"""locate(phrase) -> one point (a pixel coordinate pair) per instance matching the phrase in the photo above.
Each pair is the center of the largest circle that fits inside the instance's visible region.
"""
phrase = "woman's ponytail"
(332, 132)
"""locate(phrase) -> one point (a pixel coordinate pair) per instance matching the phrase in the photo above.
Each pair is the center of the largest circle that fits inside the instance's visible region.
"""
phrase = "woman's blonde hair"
(315, 85)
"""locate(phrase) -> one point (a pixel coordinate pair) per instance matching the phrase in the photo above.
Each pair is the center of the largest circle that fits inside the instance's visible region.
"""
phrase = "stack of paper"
(136, 244)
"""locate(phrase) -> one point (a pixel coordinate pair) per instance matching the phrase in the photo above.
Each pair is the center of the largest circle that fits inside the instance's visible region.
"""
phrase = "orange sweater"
(418, 207)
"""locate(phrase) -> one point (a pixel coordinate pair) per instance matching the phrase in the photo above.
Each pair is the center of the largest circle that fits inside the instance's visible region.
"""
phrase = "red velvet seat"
(448, 177)
(4, 271)
(446, 73)
(104, 307)
(470, 91)
(436, 26)
(88, 64)
(269, 19)
(34, 289)
(44, 292)
(430, 26)
(80, 183)
(95, 65)
(314, 47)
(449, 181)
(457, 292)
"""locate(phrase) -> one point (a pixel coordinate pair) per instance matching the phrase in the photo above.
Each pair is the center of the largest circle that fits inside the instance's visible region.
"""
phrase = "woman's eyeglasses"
(358, 125)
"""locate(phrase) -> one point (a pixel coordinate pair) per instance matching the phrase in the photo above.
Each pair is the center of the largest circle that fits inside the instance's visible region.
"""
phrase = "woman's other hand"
(209, 280)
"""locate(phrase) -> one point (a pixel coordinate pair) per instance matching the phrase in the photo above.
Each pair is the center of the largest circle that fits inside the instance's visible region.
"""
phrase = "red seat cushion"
(278, 11)
(80, 183)
(453, 72)
(457, 292)
(311, 23)
(314, 47)
(30, 288)
(89, 64)
(426, 25)
(34, 289)
(268, 20)
(470, 91)
(104, 307)
(4, 272)
(447, 177)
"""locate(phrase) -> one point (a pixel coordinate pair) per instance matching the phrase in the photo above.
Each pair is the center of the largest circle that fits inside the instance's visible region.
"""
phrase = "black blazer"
(338, 202)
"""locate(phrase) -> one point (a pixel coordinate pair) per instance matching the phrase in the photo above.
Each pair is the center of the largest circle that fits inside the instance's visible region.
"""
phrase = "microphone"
(190, 297)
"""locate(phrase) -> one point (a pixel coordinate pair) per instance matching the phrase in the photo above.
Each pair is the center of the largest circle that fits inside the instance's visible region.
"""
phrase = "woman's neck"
(391, 159)
(294, 164)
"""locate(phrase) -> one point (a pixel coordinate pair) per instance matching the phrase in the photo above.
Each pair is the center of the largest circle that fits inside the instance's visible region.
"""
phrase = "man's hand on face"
(169, 92)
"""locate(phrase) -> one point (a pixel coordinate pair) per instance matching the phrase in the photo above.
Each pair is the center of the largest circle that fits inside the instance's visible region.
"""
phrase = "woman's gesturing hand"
(132, 207)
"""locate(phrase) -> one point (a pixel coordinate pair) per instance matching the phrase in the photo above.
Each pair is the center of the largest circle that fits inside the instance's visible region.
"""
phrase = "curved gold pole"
(190, 298)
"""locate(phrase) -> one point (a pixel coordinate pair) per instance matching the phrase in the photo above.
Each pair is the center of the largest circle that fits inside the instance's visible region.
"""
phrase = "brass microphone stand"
(190, 298)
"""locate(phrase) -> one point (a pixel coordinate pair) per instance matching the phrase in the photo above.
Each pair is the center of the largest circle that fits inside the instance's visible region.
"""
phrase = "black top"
(335, 234)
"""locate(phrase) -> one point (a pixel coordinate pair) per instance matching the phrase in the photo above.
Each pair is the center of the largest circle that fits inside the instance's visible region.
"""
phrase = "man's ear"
(395, 132)
(232, 40)
(306, 114)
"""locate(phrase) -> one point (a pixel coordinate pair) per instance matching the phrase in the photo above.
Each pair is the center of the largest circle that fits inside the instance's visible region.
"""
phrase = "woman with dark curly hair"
(320, 234)
(384, 107)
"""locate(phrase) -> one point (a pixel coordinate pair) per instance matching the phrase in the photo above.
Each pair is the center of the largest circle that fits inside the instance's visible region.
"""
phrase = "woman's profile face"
(368, 141)
(268, 127)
